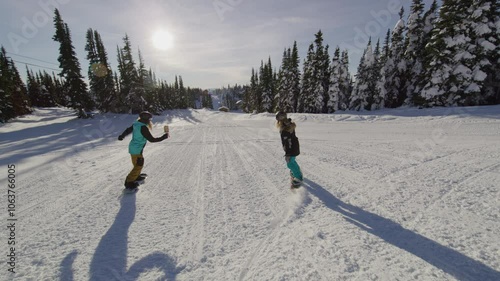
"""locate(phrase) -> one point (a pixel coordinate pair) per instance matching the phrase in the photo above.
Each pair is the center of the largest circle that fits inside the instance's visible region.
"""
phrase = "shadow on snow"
(450, 261)
(110, 258)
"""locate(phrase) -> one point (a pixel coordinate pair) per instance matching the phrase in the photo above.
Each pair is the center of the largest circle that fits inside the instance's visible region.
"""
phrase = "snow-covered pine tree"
(267, 86)
(307, 99)
(376, 100)
(345, 82)
(484, 31)
(429, 21)
(365, 93)
(294, 77)
(396, 83)
(283, 96)
(316, 77)
(334, 92)
(386, 66)
(324, 58)
(414, 49)
(450, 76)
(254, 97)
(289, 81)
(79, 98)
(340, 82)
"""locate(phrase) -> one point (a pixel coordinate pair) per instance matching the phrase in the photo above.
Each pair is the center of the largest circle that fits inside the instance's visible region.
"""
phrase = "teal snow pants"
(294, 167)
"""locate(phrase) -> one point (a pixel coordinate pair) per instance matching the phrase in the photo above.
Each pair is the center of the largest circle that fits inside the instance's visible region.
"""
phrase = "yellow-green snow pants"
(138, 162)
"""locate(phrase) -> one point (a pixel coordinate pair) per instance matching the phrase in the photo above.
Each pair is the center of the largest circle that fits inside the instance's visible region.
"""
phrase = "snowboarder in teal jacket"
(140, 136)
(291, 146)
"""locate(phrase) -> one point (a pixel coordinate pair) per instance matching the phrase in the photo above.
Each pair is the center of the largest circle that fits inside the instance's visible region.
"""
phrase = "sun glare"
(163, 40)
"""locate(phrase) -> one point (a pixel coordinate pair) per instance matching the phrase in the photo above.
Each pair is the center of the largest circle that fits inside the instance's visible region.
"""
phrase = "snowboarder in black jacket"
(291, 146)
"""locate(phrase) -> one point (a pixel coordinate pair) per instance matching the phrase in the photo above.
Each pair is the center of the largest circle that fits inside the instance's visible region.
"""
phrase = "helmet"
(145, 116)
(280, 116)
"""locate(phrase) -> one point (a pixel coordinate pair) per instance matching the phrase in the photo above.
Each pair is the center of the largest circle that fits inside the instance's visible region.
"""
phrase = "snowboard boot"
(296, 183)
(141, 177)
(131, 186)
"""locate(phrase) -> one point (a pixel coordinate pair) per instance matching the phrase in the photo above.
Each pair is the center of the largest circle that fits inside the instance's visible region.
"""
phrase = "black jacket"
(289, 140)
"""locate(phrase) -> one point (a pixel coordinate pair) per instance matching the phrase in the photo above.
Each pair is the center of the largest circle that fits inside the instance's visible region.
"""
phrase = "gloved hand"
(120, 137)
(287, 158)
(165, 136)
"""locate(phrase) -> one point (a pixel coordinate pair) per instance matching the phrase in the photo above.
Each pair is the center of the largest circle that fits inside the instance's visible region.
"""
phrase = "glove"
(165, 136)
(287, 159)
(120, 137)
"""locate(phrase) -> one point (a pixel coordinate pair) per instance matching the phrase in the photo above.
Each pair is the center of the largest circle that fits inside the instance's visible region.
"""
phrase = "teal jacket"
(140, 136)
(138, 141)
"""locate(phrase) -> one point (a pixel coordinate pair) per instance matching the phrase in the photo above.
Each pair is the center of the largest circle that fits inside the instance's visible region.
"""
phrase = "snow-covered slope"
(389, 195)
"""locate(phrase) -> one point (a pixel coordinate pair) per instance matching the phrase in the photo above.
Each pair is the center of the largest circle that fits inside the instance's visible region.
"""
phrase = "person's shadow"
(110, 258)
(450, 261)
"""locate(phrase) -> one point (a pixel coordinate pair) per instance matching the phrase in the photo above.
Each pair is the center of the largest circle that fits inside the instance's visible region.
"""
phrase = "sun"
(163, 40)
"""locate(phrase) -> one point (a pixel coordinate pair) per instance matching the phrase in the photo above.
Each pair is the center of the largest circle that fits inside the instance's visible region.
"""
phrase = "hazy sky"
(215, 42)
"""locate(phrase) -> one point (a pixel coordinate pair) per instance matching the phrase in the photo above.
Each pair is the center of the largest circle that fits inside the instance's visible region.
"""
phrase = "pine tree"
(387, 65)
(255, 97)
(267, 86)
(130, 97)
(316, 78)
(59, 91)
(307, 99)
(294, 77)
(13, 97)
(176, 97)
(79, 98)
(345, 82)
(450, 77)
(100, 75)
(183, 97)
(366, 95)
(396, 83)
(485, 50)
(33, 88)
(429, 21)
(414, 49)
(289, 81)
(142, 86)
(325, 74)
(335, 80)
(20, 99)
(283, 97)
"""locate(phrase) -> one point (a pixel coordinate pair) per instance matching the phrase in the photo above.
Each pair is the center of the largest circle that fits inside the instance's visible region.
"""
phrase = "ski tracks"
(284, 205)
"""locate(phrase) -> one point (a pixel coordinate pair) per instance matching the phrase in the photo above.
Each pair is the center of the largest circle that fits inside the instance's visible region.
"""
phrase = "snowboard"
(139, 182)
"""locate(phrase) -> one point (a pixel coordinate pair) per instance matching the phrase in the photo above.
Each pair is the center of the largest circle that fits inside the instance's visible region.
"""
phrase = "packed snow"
(402, 194)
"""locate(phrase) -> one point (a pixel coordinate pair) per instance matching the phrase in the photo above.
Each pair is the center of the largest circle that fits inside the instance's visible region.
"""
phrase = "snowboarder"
(291, 146)
(140, 136)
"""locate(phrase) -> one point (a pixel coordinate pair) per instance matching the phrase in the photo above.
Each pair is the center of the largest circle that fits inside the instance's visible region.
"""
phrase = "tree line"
(131, 89)
(442, 56)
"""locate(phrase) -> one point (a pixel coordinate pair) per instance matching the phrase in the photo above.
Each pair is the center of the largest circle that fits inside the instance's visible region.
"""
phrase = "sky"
(210, 43)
